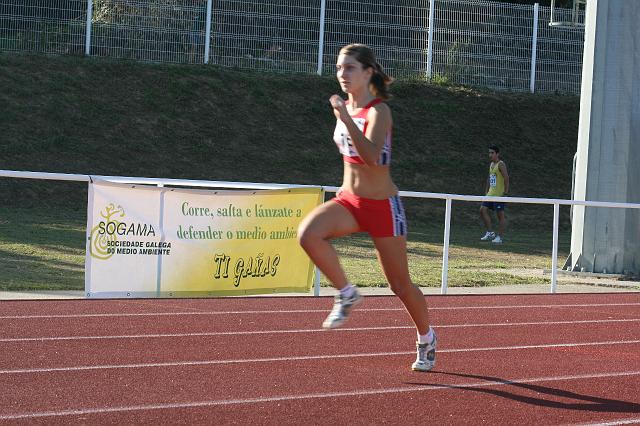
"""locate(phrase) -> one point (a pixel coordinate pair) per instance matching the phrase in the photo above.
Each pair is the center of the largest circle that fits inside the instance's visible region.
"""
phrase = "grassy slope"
(78, 115)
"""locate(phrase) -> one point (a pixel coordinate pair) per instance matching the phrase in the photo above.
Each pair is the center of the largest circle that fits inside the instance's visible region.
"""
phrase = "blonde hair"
(380, 81)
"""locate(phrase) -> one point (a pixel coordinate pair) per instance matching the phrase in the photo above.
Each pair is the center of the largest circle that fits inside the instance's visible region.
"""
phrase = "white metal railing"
(483, 43)
(410, 194)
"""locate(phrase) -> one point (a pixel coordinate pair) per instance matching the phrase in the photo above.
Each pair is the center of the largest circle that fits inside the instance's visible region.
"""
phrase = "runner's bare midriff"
(372, 182)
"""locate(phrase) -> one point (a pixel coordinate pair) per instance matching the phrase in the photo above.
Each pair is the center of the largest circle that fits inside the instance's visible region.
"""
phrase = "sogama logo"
(104, 235)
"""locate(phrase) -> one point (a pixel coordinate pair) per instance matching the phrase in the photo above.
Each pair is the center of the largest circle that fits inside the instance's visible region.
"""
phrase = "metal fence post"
(554, 250)
(445, 247)
(87, 38)
(207, 37)
(323, 9)
(430, 38)
(162, 238)
(534, 48)
(316, 282)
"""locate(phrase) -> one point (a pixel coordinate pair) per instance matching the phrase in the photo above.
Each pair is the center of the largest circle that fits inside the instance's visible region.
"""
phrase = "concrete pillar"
(608, 155)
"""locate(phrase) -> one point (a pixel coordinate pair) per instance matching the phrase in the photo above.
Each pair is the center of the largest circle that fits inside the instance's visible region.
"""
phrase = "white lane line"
(306, 330)
(611, 423)
(163, 314)
(304, 358)
(307, 311)
(262, 400)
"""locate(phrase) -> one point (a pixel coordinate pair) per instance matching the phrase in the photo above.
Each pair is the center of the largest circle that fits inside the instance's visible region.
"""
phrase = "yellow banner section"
(163, 242)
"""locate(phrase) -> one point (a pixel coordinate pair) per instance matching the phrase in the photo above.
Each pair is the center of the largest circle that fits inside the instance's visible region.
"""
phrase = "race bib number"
(493, 180)
(346, 145)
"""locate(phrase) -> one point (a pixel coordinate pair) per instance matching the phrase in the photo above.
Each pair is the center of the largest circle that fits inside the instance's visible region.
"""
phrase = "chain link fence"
(489, 44)
(50, 26)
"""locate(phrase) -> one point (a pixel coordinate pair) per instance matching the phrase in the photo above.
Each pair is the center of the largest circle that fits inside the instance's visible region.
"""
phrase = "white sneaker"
(497, 240)
(341, 309)
(426, 357)
(488, 236)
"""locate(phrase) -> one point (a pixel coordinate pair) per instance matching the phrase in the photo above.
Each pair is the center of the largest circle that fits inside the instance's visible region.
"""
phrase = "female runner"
(368, 199)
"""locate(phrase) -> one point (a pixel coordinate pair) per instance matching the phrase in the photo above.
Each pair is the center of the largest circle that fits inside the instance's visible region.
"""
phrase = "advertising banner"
(145, 241)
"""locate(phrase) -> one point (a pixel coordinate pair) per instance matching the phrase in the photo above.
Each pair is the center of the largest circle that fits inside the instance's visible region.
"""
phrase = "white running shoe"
(497, 240)
(341, 309)
(426, 357)
(488, 236)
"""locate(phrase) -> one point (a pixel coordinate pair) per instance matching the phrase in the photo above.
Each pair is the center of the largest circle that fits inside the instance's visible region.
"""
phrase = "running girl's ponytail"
(380, 81)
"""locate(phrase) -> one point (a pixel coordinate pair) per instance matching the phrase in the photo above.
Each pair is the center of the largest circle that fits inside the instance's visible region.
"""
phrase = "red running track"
(511, 359)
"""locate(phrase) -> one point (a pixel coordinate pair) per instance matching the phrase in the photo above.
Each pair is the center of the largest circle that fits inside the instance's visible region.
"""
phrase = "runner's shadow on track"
(590, 403)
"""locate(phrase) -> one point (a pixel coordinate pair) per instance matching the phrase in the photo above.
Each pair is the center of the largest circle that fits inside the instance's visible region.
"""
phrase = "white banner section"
(145, 241)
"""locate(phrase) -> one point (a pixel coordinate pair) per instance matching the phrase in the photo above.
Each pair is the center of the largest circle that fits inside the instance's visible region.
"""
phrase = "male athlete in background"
(497, 186)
